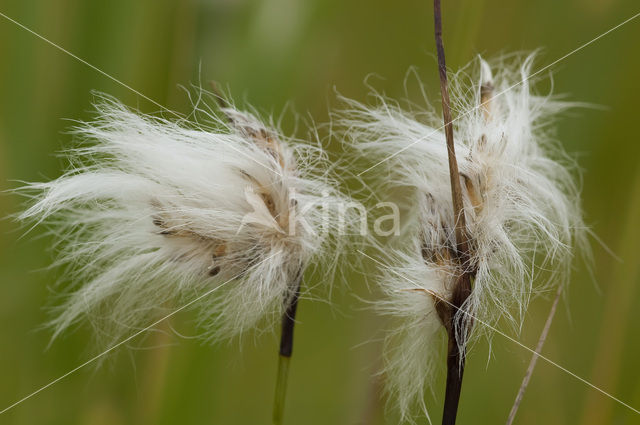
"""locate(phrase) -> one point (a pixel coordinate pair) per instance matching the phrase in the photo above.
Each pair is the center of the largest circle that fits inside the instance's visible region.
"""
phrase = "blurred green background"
(270, 53)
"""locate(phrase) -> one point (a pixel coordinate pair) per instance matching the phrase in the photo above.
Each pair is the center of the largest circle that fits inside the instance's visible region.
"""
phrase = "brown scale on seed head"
(171, 227)
(170, 223)
(262, 137)
(439, 253)
(472, 191)
(486, 96)
(471, 185)
(250, 128)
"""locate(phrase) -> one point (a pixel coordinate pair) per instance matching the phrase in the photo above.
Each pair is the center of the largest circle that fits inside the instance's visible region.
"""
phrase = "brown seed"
(219, 251)
(472, 192)
(486, 98)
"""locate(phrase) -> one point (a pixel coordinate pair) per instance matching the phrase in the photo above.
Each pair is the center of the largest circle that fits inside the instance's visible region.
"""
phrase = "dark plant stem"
(455, 351)
(455, 370)
(286, 349)
(457, 326)
(289, 321)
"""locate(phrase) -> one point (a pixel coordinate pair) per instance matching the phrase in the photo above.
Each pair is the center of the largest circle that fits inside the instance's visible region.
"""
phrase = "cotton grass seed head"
(521, 204)
(152, 213)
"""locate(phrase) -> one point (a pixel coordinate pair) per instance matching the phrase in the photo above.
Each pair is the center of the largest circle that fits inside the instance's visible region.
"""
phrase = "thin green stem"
(281, 389)
(286, 349)
(534, 358)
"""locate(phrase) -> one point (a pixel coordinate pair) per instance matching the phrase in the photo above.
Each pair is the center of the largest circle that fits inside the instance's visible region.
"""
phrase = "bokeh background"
(270, 53)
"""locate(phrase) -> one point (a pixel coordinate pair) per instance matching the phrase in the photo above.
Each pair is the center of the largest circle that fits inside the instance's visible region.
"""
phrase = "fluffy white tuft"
(520, 198)
(154, 212)
(414, 346)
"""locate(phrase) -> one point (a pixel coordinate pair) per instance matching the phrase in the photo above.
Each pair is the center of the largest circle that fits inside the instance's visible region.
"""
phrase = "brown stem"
(455, 370)
(289, 320)
(462, 287)
(456, 190)
(456, 354)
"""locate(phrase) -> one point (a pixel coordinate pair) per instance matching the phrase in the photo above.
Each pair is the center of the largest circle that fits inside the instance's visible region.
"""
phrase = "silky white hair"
(154, 212)
(521, 203)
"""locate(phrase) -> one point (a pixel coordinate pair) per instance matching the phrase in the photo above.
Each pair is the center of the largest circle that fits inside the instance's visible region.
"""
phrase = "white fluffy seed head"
(153, 213)
(521, 204)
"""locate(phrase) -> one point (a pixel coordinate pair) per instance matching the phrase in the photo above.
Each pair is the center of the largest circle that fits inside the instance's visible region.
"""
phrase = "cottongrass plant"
(520, 203)
(153, 212)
